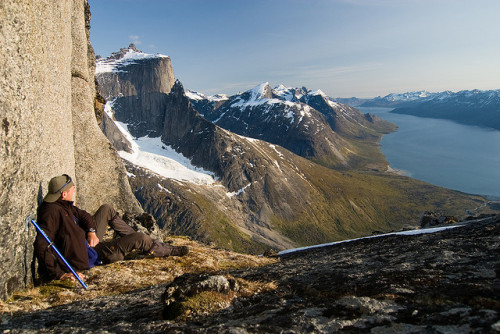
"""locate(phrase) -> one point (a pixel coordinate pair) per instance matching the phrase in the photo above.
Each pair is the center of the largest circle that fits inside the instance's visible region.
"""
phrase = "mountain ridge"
(262, 195)
(308, 123)
(470, 107)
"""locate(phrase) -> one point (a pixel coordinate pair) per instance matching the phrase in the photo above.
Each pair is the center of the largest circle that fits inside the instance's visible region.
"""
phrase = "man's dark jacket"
(66, 226)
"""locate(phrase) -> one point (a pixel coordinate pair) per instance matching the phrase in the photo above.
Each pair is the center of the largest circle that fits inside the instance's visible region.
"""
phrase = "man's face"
(68, 194)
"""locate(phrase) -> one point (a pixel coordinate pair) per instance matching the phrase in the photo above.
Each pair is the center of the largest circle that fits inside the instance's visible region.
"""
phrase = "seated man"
(77, 234)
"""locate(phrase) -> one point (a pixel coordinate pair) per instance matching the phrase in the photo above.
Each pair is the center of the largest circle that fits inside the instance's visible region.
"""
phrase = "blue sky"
(361, 48)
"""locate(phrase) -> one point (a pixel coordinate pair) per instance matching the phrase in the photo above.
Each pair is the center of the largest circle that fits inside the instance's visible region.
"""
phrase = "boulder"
(429, 219)
(177, 295)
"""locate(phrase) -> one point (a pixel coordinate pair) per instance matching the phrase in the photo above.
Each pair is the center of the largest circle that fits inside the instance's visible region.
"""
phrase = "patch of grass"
(125, 276)
(54, 287)
(353, 204)
(217, 227)
(206, 302)
(369, 155)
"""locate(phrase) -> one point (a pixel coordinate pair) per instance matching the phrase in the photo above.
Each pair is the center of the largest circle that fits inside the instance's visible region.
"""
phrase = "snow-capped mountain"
(201, 180)
(473, 107)
(309, 123)
(205, 104)
(412, 98)
(129, 74)
(261, 114)
(394, 99)
(119, 61)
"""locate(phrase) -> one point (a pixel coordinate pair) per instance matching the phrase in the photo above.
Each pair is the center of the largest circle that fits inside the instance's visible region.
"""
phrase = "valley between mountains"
(268, 168)
(262, 172)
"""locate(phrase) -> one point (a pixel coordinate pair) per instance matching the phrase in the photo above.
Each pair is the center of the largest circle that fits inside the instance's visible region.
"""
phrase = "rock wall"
(140, 92)
(48, 124)
(100, 173)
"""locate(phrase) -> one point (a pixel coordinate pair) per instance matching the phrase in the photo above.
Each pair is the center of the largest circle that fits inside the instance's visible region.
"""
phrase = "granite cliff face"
(48, 124)
(139, 85)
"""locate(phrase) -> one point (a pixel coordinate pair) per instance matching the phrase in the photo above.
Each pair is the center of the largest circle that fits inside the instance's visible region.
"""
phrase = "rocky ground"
(444, 282)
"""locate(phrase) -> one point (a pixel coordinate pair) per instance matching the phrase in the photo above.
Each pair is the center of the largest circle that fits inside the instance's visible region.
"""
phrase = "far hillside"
(244, 186)
(470, 107)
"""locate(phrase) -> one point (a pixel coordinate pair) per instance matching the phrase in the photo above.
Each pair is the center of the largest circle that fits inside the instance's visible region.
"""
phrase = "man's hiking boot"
(160, 249)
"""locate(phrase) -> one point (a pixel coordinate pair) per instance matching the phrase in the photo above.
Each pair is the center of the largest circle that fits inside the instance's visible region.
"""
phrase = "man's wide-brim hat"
(57, 186)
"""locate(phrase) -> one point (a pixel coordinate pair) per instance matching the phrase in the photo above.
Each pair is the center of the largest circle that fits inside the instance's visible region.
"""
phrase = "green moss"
(202, 303)
(207, 301)
(56, 286)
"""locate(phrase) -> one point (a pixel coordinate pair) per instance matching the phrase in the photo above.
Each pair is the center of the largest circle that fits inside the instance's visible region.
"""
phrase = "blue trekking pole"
(51, 244)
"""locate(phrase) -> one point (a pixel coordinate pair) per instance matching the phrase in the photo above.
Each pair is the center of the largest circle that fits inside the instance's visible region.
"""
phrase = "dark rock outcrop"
(429, 219)
(190, 285)
(443, 282)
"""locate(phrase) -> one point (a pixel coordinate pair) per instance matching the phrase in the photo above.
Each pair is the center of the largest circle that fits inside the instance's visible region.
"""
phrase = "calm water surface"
(442, 152)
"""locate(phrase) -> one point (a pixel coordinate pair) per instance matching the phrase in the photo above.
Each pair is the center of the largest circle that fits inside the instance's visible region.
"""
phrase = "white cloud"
(135, 39)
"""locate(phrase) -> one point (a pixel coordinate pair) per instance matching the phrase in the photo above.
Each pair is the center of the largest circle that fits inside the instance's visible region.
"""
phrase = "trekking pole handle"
(51, 244)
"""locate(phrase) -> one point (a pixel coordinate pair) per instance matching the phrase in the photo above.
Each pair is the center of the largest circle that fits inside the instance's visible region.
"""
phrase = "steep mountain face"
(48, 124)
(260, 114)
(345, 120)
(138, 83)
(307, 123)
(255, 195)
(468, 107)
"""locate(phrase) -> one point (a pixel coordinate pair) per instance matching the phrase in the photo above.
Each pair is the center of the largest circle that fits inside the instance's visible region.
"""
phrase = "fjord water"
(442, 152)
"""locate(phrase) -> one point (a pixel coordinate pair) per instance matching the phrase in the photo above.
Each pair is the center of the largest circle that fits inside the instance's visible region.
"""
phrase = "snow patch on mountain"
(197, 96)
(285, 93)
(258, 96)
(276, 150)
(154, 155)
(318, 92)
(238, 192)
(130, 57)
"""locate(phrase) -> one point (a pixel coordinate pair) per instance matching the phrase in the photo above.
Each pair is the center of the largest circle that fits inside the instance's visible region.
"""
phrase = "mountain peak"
(124, 51)
(125, 56)
(318, 92)
(288, 93)
(262, 91)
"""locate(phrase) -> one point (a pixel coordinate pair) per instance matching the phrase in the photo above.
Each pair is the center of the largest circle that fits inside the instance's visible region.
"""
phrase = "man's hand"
(92, 239)
(70, 276)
